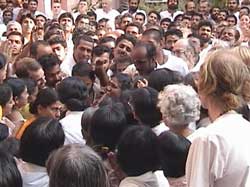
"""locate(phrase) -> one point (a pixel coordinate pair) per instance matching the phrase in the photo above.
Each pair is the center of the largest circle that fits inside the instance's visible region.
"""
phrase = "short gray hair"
(179, 104)
(76, 165)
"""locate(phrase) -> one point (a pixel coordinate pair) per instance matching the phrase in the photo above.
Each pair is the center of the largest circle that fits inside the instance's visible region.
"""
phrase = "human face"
(133, 30)
(231, 21)
(222, 16)
(164, 25)
(103, 60)
(3, 74)
(228, 35)
(125, 22)
(232, 5)
(83, 51)
(204, 8)
(66, 24)
(83, 7)
(53, 76)
(106, 5)
(172, 4)
(244, 21)
(139, 19)
(40, 21)
(16, 44)
(205, 32)
(13, 27)
(53, 110)
(7, 17)
(3, 4)
(243, 11)
(215, 12)
(144, 65)
(32, 6)
(22, 100)
(59, 50)
(83, 23)
(190, 7)
(56, 8)
(133, 5)
(152, 19)
(27, 26)
(170, 41)
(7, 108)
(39, 77)
(195, 21)
(123, 48)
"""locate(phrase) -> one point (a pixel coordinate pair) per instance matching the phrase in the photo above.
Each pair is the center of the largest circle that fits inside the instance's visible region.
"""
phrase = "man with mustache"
(172, 10)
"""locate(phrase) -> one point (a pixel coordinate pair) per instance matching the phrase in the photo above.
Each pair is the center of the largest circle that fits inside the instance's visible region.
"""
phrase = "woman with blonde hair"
(244, 53)
(220, 156)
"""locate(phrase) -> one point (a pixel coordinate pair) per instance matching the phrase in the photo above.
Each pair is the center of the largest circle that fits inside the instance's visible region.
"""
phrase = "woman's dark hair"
(17, 86)
(73, 93)
(137, 151)
(5, 93)
(11, 146)
(9, 173)
(124, 80)
(107, 125)
(160, 78)
(173, 153)
(144, 102)
(4, 132)
(31, 85)
(43, 136)
(45, 98)
(3, 60)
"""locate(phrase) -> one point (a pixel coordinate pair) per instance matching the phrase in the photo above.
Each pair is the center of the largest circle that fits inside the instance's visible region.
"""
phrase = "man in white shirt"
(133, 8)
(172, 11)
(106, 11)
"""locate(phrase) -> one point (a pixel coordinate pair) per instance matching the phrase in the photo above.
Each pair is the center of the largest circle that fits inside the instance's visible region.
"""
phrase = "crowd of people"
(100, 97)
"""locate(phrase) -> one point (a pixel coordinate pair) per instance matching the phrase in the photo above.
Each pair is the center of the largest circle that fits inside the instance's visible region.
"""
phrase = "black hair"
(101, 49)
(92, 13)
(31, 85)
(6, 93)
(45, 98)
(58, 40)
(9, 173)
(107, 125)
(4, 132)
(43, 136)
(79, 17)
(137, 151)
(134, 24)
(3, 60)
(128, 37)
(173, 153)
(165, 20)
(245, 7)
(73, 93)
(157, 34)
(34, 46)
(49, 61)
(82, 70)
(77, 37)
(124, 80)
(28, 15)
(144, 101)
(156, 13)
(33, 0)
(141, 14)
(176, 32)
(160, 78)
(17, 86)
(150, 48)
(234, 17)
(66, 15)
(16, 33)
(106, 39)
(205, 23)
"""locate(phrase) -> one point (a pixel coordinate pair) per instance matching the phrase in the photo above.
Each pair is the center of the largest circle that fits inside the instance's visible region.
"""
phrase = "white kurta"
(220, 155)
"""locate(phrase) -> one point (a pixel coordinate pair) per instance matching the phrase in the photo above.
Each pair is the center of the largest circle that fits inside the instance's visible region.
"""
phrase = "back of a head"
(26, 65)
(173, 154)
(107, 125)
(137, 151)
(144, 101)
(73, 93)
(9, 174)
(226, 81)
(43, 136)
(160, 78)
(76, 165)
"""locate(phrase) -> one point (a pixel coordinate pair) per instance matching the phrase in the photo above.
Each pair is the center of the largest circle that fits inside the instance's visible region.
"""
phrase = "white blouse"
(220, 155)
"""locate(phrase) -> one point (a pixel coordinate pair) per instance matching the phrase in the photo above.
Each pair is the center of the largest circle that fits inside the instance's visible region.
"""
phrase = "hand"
(142, 83)
(6, 49)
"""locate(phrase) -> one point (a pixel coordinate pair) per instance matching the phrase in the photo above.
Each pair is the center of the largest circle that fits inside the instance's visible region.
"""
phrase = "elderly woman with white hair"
(180, 108)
